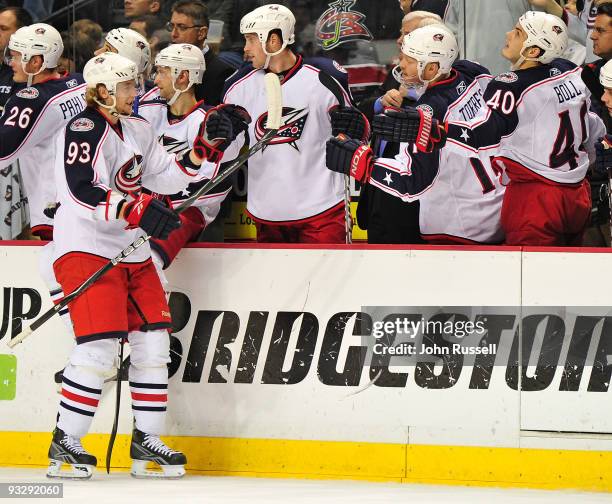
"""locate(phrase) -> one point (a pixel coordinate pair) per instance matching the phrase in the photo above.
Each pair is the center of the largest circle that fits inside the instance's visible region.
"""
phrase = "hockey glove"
(410, 125)
(51, 209)
(151, 215)
(239, 116)
(214, 136)
(603, 156)
(350, 122)
(350, 157)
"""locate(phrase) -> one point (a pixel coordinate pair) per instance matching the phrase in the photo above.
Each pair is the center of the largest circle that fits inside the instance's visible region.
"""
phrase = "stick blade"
(274, 98)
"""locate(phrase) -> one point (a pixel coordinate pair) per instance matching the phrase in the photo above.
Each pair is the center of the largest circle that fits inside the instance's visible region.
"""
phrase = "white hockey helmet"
(546, 31)
(38, 39)
(264, 20)
(605, 75)
(430, 44)
(179, 57)
(132, 45)
(109, 69)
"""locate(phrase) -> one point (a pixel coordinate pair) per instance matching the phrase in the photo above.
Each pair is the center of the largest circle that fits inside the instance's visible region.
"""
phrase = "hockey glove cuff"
(410, 125)
(151, 215)
(350, 157)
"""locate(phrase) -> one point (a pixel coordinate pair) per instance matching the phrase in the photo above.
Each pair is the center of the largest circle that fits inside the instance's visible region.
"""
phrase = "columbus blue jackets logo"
(128, 176)
(293, 122)
(340, 24)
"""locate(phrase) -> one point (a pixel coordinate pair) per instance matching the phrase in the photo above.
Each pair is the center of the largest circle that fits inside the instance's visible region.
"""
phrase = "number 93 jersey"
(100, 164)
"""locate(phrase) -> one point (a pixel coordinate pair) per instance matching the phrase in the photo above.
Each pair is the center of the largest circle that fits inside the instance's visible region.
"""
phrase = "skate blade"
(79, 471)
(140, 471)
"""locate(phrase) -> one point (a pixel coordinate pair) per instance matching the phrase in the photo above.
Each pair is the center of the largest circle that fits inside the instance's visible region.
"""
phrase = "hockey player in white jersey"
(104, 157)
(33, 116)
(31, 121)
(460, 198)
(291, 196)
(131, 45)
(540, 132)
(176, 115)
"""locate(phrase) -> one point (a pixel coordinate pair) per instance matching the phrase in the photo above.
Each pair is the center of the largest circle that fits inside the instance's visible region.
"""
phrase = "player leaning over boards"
(175, 115)
(104, 158)
(460, 198)
(292, 196)
(539, 129)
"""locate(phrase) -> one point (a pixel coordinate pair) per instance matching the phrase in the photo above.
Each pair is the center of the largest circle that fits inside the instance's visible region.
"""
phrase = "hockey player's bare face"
(514, 43)
(32, 66)
(125, 94)
(253, 51)
(410, 72)
(164, 80)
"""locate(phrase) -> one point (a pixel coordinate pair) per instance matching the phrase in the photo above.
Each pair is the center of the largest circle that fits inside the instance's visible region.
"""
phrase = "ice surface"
(120, 488)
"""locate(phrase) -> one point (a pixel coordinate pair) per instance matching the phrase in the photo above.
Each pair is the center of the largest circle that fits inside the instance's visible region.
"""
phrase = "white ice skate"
(66, 449)
(147, 449)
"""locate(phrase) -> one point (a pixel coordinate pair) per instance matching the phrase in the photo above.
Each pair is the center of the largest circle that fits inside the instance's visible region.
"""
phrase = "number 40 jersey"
(537, 125)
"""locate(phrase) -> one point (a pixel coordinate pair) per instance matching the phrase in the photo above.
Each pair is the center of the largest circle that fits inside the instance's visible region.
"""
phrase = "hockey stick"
(113, 435)
(332, 84)
(274, 98)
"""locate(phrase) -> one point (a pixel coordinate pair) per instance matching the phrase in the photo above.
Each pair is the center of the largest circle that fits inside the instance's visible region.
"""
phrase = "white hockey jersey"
(97, 165)
(177, 134)
(537, 125)
(460, 196)
(32, 119)
(288, 180)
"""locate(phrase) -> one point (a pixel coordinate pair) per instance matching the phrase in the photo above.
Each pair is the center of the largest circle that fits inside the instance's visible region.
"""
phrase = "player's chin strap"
(31, 75)
(419, 88)
(522, 58)
(112, 110)
(269, 55)
(177, 92)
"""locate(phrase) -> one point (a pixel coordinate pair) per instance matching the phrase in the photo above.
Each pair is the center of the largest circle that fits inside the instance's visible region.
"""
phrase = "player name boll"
(454, 349)
(565, 92)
